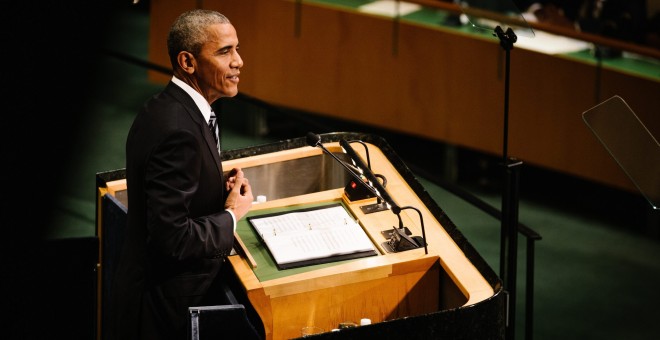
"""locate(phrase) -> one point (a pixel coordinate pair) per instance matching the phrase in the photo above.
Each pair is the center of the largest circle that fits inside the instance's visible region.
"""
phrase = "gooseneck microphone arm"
(421, 220)
(373, 185)
(314, 140)
(379, 187)
(366, 150)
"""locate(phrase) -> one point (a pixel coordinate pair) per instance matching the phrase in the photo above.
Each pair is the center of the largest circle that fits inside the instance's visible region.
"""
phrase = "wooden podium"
(449, 292)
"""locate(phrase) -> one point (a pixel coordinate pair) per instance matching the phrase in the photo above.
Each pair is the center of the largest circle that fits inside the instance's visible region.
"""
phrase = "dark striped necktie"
(213, 125)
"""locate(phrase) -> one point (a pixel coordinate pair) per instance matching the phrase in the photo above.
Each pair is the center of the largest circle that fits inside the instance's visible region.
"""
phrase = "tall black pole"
(510, 199)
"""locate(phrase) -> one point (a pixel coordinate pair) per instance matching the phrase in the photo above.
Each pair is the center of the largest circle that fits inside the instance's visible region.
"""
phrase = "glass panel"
(630, 143)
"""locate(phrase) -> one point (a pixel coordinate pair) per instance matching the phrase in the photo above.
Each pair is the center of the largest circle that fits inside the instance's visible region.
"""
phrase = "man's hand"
(240, 195)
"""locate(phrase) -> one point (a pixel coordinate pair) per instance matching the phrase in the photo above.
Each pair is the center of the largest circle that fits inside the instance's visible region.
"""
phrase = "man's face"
(219, 63)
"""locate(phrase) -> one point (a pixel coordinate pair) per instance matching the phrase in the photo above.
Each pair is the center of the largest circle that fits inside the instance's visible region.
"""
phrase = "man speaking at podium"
(182, 211)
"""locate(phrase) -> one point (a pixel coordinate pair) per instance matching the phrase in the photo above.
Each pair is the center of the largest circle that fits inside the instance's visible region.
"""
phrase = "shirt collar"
(202, 104)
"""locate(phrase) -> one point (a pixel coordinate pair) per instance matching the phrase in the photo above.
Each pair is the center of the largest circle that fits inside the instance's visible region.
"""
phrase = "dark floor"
(597, 271)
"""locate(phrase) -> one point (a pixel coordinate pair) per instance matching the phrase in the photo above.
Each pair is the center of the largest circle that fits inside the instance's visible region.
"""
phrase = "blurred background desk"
(415, 75)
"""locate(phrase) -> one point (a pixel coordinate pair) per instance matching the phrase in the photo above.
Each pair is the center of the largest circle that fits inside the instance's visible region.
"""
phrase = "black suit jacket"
(178, 232)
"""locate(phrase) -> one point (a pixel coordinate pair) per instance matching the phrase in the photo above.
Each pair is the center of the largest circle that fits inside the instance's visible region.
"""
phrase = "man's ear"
(186, 61)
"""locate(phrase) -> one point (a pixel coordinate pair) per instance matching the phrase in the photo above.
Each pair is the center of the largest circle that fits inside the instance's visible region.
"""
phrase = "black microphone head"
(313, 139)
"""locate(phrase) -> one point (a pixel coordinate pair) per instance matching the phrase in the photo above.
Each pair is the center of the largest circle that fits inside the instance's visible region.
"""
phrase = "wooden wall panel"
(426, 81)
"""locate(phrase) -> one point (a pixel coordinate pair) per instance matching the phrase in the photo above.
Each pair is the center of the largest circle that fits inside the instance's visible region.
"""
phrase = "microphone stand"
(366, 151)
(372, 184)
(383, 192)
(314, 140)
(510, 197)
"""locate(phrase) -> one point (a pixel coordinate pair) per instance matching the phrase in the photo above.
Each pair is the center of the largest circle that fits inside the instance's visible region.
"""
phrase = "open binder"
(312, 236)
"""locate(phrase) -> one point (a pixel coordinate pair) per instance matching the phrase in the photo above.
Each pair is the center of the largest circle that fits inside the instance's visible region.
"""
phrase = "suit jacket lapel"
(196, 115)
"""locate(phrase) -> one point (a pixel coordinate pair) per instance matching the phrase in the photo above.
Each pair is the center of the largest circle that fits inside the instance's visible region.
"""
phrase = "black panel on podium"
(220, 322)
(115, 215)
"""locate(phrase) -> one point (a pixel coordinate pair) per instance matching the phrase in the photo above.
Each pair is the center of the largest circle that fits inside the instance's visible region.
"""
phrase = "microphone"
(314, 140)
(400, 239)
(371, 177)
